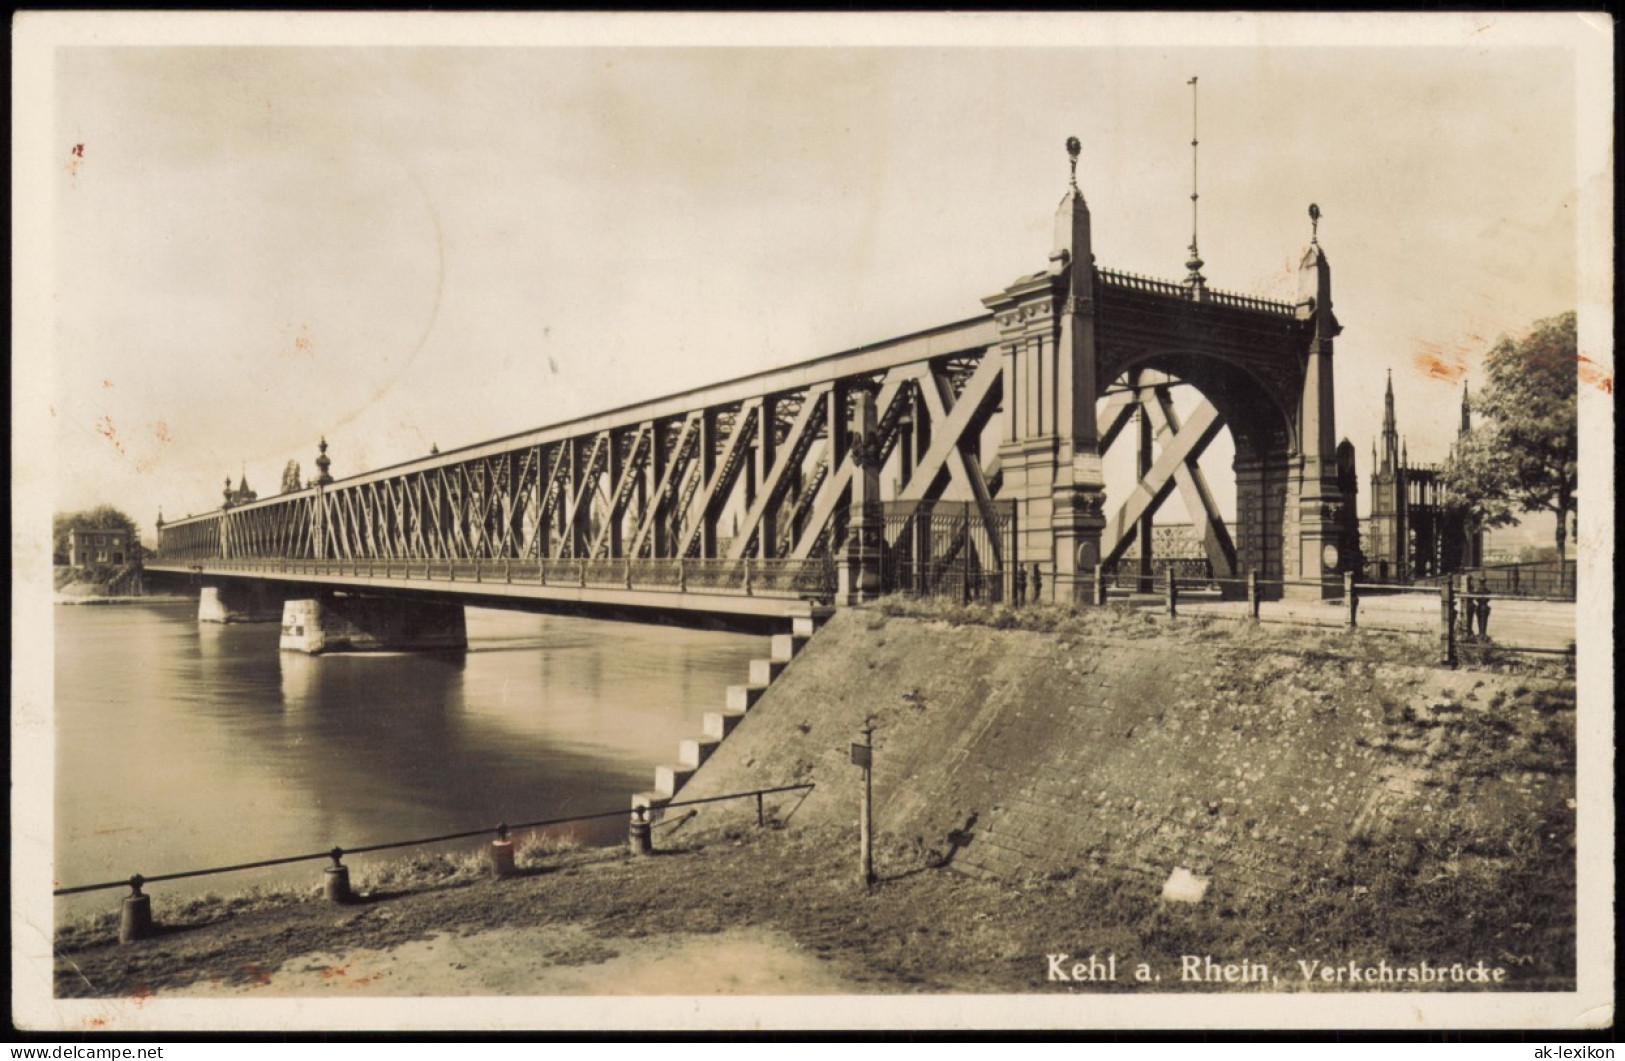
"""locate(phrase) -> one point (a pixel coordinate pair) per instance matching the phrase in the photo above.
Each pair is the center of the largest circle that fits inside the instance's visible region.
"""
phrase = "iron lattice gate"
(953, 549)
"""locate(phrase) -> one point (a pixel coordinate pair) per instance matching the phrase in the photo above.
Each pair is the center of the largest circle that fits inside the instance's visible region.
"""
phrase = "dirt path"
(548, 960)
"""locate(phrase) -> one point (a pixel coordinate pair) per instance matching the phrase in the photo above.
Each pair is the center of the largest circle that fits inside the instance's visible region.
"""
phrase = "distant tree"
(290, 477)
(1524, 455)
(102, 517)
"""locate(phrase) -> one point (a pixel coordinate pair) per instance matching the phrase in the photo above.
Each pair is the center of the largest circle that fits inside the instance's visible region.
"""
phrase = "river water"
(183, 745)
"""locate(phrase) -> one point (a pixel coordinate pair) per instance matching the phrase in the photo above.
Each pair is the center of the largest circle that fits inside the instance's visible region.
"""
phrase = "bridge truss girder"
(766, 475)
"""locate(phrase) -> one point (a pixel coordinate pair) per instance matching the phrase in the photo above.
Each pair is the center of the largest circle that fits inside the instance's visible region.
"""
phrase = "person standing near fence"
(1479, 605)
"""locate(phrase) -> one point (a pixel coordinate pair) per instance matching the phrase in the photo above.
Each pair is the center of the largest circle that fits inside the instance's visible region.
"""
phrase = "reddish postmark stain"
(162, 431)
(76, 158)
(1591, 373)
(1439, 363)
(1594, 375)
(304, 344)
(105, 428)
(258, 975)
(342, 972)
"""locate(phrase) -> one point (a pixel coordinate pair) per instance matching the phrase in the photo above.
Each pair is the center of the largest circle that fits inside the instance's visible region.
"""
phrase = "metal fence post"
(502, 852)
(640, 837)
(1252, 593)
(1100, 585)
(135, 914)
(336, 879)
(1350, 600)
(1447, 620)
(1173, 593)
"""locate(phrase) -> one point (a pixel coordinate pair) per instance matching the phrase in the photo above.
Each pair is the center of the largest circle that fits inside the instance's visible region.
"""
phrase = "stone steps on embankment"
(693, 753)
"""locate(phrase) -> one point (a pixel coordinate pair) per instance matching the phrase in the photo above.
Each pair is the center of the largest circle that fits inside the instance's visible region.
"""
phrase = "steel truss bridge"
(815, 480)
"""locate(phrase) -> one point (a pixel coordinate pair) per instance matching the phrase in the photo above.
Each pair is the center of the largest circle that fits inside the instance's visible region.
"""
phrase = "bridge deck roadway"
(494, 588)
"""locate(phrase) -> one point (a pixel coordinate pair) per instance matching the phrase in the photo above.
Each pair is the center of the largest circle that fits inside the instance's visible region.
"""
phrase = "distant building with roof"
(241, 495)
(99, 545)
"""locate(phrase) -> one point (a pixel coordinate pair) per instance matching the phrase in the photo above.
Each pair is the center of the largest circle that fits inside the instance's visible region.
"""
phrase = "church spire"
(1466, 411)
(1390, 433)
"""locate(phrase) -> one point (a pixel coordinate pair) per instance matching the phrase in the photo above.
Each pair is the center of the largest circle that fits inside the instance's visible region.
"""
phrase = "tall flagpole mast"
(1195, 281)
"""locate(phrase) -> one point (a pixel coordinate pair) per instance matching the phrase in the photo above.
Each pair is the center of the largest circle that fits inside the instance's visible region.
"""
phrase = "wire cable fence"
(136, 913)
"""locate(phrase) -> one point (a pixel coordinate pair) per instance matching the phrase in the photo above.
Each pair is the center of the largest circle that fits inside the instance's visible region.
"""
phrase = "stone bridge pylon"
(1088, 351)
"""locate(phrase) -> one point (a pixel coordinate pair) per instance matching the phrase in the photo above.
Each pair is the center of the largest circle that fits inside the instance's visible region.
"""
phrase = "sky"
(404, 246)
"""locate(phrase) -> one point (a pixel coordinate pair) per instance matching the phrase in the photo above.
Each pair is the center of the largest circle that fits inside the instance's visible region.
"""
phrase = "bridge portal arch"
(1074, 332)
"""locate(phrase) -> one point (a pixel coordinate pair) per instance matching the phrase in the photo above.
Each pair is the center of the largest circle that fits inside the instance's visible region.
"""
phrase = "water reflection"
(183, 744)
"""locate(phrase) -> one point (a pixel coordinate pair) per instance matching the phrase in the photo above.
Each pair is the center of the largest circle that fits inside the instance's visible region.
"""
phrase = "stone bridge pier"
(240, 601)
(342, 622)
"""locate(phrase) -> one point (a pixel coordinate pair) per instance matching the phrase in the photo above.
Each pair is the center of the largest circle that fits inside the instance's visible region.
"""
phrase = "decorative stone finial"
(1073, 149)
(323, 462)
(1314, 224)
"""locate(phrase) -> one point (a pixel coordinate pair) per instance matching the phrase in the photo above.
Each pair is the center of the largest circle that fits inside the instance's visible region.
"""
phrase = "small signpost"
(863, 756)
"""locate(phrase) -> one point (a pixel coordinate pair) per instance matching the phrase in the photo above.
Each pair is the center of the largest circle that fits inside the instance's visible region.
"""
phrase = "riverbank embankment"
(1041, 781)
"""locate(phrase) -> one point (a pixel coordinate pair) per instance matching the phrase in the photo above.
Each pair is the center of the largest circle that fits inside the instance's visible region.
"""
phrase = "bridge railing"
(1170, 289)
(1534, 579)
(1457, 620)
(790, 579)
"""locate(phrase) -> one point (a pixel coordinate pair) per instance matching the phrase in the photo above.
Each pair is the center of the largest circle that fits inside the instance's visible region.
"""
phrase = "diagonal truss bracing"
(757, 469)
(1182, 445)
